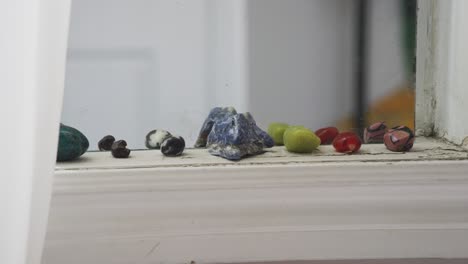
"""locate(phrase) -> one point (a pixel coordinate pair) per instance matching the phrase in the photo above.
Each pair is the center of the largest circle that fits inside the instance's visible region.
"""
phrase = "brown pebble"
(105, 144)
(120, 150)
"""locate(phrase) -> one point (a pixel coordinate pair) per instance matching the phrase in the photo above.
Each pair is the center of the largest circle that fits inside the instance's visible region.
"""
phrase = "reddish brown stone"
(399, 139)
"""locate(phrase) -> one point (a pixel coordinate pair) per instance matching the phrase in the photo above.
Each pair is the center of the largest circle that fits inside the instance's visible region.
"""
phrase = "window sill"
(276, 206)
(425, 149)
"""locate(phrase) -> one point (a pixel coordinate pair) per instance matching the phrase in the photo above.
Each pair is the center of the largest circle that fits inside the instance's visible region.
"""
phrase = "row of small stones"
(299, 139)
(399, 139)
(170, 145)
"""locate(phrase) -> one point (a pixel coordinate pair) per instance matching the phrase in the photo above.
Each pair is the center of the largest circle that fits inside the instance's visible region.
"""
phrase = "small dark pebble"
(173, 146)
(120, 150)
(106, 143)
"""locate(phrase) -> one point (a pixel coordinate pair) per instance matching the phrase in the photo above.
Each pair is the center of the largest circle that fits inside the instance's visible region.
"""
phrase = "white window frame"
(427, 202)
(441, 93)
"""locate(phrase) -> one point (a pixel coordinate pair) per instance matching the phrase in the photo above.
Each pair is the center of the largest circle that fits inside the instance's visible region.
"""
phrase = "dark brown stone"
(119, 149)
(105, 144)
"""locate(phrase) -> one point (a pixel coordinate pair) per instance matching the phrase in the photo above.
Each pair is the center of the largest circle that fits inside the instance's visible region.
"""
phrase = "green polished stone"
(276, 131)
(299, 139)
(72, 143)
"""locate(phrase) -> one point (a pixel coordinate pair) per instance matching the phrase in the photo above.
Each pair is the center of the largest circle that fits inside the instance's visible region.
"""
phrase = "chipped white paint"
(273, 207)
(442, 96)
(425, 64)
(452, 121)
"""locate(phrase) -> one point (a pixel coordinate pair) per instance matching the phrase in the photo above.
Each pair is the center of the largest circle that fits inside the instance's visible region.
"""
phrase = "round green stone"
(276, 131)
(299, 139)
(72, 143)
(69, 146)
(83, 141)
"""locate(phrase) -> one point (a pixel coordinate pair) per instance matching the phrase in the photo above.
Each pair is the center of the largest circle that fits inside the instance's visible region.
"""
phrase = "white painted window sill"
(425, 149)
(273, 207)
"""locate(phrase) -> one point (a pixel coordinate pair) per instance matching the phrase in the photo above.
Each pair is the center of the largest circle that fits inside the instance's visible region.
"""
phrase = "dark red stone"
(347, 142)
(399, 139)
(327, 134)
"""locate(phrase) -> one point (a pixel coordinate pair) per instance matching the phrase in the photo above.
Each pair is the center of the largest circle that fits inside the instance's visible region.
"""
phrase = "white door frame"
(32, 69)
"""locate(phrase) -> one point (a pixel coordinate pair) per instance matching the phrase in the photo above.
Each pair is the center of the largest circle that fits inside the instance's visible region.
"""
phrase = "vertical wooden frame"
(32, 68)
(425, 66)
(442, 59)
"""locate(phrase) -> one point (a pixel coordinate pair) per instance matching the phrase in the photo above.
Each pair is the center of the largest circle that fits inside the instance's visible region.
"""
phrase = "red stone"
(327, 134)
(347, 142)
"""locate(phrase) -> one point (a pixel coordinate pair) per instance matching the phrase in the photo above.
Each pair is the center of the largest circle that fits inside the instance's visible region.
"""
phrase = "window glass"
(138, 65)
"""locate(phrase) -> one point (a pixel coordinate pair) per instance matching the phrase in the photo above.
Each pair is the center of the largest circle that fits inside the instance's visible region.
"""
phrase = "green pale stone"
(72, 143)
(276, 131)
(299, 139)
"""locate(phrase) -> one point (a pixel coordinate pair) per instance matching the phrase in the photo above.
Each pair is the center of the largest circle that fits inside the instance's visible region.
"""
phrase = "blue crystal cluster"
(231, 135)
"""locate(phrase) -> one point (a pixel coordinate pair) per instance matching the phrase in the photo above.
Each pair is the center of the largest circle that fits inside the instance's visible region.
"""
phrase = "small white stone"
(155, 138)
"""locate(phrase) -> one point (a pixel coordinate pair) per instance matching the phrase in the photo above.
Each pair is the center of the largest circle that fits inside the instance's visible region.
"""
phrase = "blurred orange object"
(395, 109)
